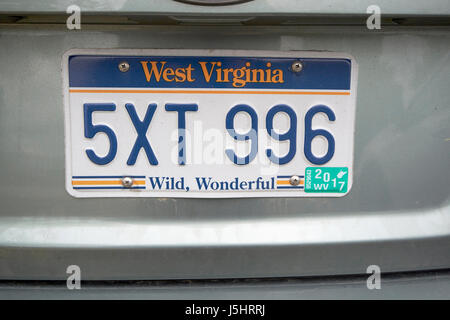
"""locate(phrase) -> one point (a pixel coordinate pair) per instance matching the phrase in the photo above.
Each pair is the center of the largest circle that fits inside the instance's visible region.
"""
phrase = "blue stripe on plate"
(108, 188)
(101, 71)
(100, 177)
(283, 177)
(290, 187)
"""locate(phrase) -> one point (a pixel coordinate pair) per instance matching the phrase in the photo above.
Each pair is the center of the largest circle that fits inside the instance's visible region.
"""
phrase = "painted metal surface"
(257, 7)
(415, 285)
(397, 215)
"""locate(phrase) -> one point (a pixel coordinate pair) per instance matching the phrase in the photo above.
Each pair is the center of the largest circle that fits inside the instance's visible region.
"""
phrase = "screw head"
(127, 182)
(294, 180)
(124, 66)
(297, 66)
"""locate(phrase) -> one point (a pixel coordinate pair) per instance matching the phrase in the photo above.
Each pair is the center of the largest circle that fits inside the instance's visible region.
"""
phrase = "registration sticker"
(208, 123)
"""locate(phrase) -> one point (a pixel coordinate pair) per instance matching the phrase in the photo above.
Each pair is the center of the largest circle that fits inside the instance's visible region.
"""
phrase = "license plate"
(208, 124)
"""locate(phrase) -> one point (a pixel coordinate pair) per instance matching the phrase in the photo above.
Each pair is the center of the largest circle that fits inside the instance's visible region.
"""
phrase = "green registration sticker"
(326, 179)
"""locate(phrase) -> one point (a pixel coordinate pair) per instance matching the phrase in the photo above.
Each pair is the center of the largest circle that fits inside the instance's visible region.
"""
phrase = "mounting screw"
(124, 66)
(294, 180)
(127, 182)
(296, 66)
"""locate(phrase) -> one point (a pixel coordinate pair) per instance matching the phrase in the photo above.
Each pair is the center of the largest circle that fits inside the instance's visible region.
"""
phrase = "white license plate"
(208, 124)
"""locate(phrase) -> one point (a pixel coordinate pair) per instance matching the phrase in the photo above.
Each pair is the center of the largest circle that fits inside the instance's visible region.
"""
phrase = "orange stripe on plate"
(286, 182)
(104, 182)
(344, 93)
